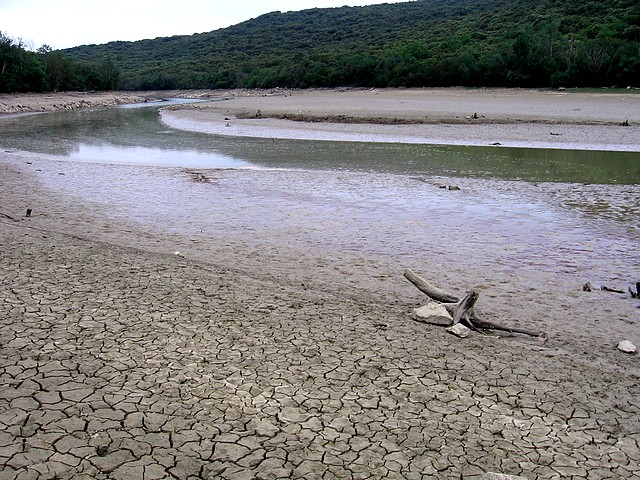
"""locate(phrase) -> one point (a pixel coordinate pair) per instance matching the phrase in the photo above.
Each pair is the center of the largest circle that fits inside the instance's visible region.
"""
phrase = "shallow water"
(524, 213)
(136, 135)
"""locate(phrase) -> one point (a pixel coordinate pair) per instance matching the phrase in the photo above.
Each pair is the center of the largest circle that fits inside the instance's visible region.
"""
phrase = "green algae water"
(137, 136)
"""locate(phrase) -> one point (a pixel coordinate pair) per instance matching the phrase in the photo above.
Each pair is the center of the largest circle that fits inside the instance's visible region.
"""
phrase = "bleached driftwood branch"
(461, 310)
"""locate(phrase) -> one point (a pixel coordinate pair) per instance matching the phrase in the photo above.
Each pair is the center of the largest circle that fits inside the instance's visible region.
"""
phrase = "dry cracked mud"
(118, 363)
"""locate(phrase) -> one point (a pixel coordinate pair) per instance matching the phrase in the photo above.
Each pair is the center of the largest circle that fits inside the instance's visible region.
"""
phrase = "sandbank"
(498, 117)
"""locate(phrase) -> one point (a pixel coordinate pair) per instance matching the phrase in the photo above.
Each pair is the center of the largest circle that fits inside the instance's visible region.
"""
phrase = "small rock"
(626, 346)
(433, 313)
(459, 330)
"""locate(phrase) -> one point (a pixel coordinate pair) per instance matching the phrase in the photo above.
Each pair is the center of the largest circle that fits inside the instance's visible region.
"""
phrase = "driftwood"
(588, 287)
(461, 310)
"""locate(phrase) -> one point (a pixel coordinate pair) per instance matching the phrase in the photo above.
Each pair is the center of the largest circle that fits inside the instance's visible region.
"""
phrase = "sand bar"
(517, 118)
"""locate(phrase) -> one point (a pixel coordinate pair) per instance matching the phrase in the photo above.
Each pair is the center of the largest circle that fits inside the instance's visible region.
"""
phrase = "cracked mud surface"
(120, 362)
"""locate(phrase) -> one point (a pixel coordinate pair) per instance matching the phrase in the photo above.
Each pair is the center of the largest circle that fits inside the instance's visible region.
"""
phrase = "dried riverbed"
(278, 343)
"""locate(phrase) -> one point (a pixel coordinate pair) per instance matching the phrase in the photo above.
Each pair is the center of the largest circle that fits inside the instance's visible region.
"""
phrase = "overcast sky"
(68, 23)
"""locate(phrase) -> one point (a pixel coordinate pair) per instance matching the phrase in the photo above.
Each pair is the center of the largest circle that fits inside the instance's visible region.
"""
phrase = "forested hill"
(526, 43)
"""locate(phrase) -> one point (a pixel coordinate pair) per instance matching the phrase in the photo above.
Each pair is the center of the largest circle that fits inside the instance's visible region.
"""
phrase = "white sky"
(68, 23)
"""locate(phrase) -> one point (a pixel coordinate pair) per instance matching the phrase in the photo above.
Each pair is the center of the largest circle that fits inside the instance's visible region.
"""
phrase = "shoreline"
(250, 349)
(440, 116)
(541, 134)
(30, 103)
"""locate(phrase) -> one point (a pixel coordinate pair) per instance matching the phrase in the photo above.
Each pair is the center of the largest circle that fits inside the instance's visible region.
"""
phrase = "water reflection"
(108, 153)
(137, 136)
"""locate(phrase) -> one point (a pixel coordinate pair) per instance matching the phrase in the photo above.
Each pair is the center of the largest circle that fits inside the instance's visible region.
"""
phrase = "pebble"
(626, 346)
(459, 330)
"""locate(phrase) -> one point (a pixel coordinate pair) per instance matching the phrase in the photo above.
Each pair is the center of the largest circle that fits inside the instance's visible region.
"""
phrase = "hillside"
(529, 43)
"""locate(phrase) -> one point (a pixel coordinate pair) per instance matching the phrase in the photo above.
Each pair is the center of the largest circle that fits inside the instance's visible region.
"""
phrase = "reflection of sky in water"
(115, 154)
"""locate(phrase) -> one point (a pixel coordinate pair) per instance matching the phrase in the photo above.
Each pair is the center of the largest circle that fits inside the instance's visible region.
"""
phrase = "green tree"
(20, 69)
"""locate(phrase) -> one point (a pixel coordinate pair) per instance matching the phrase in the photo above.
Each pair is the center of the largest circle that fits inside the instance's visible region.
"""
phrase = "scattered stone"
(434, 313)
(588, 287)
(459, 330)
(610, 289)
(626, 346)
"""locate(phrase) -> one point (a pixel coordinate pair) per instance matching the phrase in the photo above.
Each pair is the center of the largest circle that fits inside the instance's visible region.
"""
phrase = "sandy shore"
(244, 358)
(518, 118)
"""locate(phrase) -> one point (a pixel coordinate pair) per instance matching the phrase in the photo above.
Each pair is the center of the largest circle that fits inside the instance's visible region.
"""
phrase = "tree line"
(47, 70)
(509, 43)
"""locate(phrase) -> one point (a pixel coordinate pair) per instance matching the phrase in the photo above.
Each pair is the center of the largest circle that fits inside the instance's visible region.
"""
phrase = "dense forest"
(46, 70)
(511, 43)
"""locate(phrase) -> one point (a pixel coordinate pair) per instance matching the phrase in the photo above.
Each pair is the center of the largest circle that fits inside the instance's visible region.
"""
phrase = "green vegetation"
(46, 70)
(511, 43)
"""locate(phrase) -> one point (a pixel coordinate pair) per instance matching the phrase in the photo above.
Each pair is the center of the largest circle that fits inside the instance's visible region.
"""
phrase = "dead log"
(429, 290)
(462, 310)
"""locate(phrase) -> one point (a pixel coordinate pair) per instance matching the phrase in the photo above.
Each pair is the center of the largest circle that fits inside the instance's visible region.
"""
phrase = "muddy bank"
(51, 102)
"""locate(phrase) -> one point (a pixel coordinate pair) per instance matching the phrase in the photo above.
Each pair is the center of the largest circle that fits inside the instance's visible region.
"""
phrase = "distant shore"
(51, 102)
